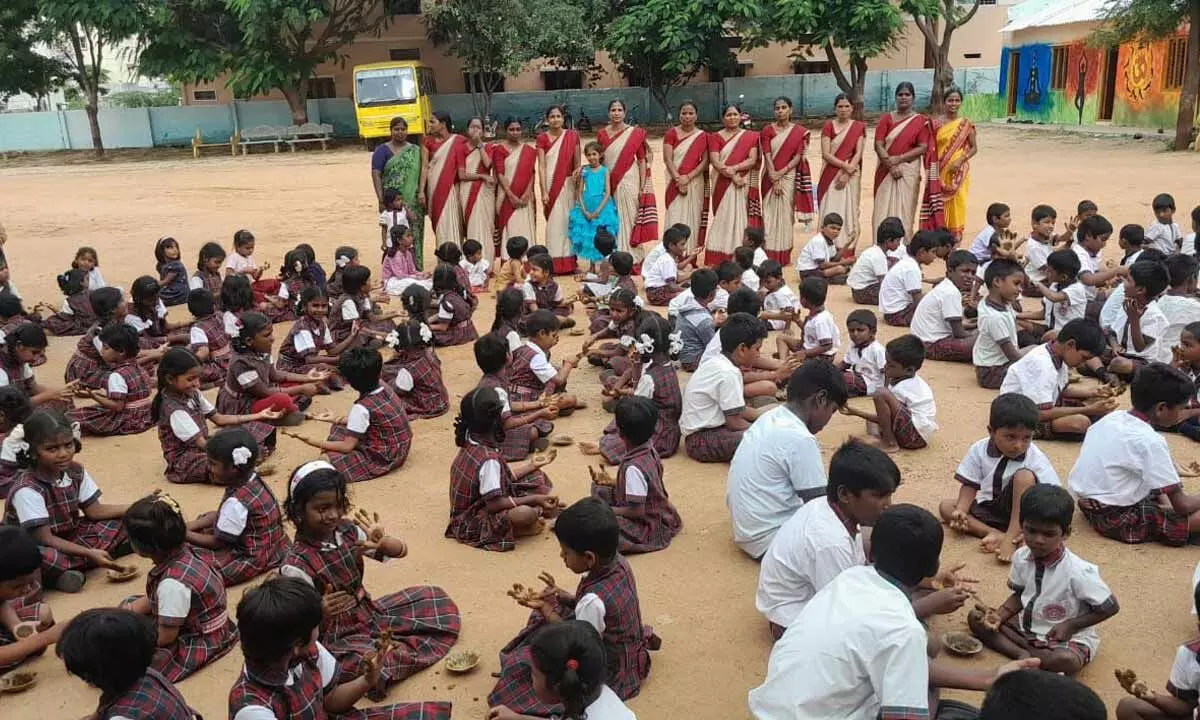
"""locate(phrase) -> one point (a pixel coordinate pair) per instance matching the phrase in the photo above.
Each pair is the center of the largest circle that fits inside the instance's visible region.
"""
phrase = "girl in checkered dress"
(622, 319)
(237, 298)
(452, 324)
(20, 350)
(112, 650)
(84, 366)
(123, 406)
(415, 372)
(606, 599)
(246, 534)
(20, 572)
(57, 502)
(328, 554)
(185, 595)
(531, 375)
(293, 278)
(491, 502)
(182, 416)
(76, 315)
(208, 271)
(14, 410)
(510, 307)
(208, 340)
(374, 438)
(352, 309)
(344, 257)
(148, 315)
(638, 497)
(527, 423)
(253, 384)
(452, 255)
(309, 345)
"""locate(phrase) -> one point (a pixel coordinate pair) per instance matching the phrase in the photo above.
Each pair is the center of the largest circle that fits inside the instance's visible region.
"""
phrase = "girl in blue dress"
(594, 207)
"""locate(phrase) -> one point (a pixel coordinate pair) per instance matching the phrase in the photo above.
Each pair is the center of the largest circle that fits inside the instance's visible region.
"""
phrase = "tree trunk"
(1186, 118)
(931, 48)
(296, 97)
(93, 116)
(853, 87)
(943, 74)
(660, 96)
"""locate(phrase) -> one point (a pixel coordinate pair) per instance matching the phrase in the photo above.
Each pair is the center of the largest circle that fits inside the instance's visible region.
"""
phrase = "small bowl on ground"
(562, 441)
(577, 331)
(17, 682)
(462, 661)
(24, 630)
(962, 644)
(125, 574)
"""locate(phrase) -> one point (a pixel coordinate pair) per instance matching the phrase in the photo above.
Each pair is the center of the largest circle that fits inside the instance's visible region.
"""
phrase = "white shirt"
(1163, 237)
(995, 326)
(760, 257)
(868, 362)
(1185, 672)
(358, 419)
(305, 342)
(174, 599)
(530, 293)
(233, 326)
(232, 517)
(1087, 264)
(939, 305)
(514, 340)
(1189, 244)
(182, 424)
(1180, 311)
(1036, 254)
(868, 269)
(750, 279)
(1069, 587)
(1114, 304)
(31, 507)
(856, 650)
(661, 272)
(712, 349)
(239, 263)
(713, 392)
(720, 300)
(349, 309)
(915, 394)
(1036, 376)
(779, 300)
(95, 279)
(540, 364)
(390, 219)
(1122, 459)
(981, 245)
(776, 463)
(608, 707)
(990, 474)
(326, 665)
(476, 272)
(26, 373)
(895, 292)
(1154, 326)
(1074, 307)
(811, 549)
(817, 251)
(822, 327)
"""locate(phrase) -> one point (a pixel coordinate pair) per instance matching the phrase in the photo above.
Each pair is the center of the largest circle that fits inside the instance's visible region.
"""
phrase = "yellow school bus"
(385, 90)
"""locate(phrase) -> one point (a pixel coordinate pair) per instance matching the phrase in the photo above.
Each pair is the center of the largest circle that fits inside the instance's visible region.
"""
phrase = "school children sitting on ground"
(862, 365)
(997, 346)
(939, 320)
(820, 257)
(900, 289)
(872, 265)
(904, 406)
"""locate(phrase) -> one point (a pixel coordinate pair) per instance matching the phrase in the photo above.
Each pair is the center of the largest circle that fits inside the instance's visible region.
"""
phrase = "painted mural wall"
(1141, 100)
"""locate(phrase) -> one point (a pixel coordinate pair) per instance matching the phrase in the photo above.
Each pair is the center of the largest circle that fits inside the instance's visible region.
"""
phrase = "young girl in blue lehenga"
(594, 207)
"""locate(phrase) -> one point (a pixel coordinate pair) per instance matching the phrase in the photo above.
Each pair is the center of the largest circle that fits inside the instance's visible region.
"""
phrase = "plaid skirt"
(1079, 649)
(213, 371)
(191, 465)
(599, 321)
(856, 384)
(906, 433)
(1146, 521)
(665, 440)
(712, 445)
(90, 373)
(995, 513)
(866, 296)
(364, 463)
(190, 652)
(95, 534)
(661, 296)
(991, 376)
(950, 349)
(400, 711)
(518, 442)
(8, 473)
(482, 529)
(236, 567)
(61, 325)
(459, 334)
(901, 318)
(99, 420)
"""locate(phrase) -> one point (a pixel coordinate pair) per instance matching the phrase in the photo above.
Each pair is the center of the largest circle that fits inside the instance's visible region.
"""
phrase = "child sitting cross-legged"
(820, 337)
(939, 319)
(900, 290)
(414, 370)
(1127, 484)
(664, 276)
(904, 406)
(123, 406)
(527, 423)
(780, 304)
(207, 339)
(1063, 296)
(253, 384)
(996, 346)
(862, 365)
(289, 675)
(1057, 597)
(1140, 323)
(20, 574)
(531, 375)
(1182, 694)
(872, 264)
(820, 257)
(995, 474)
(542, 291)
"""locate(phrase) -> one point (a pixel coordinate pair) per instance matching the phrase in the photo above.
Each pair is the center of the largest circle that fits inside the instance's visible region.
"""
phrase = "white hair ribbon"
(342, 261)
(76, 431)
(627, 341)
(307, 469)
(241, 455)
(644, 344)
(392, 339)
(676, 343)
(426, 334)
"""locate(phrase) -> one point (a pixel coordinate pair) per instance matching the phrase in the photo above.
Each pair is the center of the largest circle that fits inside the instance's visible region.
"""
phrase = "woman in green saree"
(398, 165)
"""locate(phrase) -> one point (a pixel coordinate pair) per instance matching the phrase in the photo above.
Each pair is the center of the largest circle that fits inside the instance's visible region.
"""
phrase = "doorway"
(1108, 85)
(1014, 67)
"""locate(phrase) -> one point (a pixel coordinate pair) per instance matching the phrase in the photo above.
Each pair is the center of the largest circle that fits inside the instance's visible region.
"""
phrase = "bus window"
(385, 86)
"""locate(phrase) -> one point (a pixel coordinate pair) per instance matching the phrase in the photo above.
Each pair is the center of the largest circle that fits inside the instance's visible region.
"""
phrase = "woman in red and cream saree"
(477, 189)
(733, 153)
(786, 181)
(839, 188)
(558, 158)
(628, 157)
(441, 178)
(516, 168)
(685, 153)
(901, 140)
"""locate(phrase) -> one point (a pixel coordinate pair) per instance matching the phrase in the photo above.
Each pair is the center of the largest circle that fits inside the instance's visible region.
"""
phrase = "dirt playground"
(699, 593)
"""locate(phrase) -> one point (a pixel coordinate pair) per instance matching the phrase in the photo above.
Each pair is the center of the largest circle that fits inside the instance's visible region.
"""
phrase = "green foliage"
(143, 99)
(21, 68)
(1141, 20)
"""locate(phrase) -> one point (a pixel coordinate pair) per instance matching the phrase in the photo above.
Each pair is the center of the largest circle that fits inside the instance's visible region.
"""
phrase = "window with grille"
(1176, 61)
(204, 95)
(562, 79)
(1058, 68)
(810, 67)
(398, 54)
(321, 88)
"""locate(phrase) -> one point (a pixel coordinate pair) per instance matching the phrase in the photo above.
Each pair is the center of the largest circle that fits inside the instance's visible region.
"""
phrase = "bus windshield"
(386, 86)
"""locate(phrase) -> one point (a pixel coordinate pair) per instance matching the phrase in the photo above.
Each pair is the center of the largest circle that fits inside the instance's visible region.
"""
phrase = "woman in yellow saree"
(956, 146)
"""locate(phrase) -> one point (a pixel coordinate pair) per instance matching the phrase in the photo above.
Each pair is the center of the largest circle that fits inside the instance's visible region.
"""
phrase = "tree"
(23, 69)
(82, 33)
(946, 16)
(263, 45)
(1148, 20)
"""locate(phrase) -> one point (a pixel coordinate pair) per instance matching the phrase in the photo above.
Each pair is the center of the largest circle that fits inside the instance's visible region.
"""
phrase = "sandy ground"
(699, 594)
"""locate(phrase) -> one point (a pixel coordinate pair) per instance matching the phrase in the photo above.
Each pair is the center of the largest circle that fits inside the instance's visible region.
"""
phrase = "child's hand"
(372, 669)
(269, 415)
(370, 525)
(1061, 632)
(335, 603)
(102, 559)
(1177, 358)
(958, 521)
(1134, 308)
(944, 602)
(527, 597)
(543, 459)
(1015, 665)
(952, 576)
(549, 413)
(501, 712)
(309, 389)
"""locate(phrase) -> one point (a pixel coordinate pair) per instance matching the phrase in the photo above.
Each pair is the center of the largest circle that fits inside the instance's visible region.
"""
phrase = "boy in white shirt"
(820, 337)
(1188, 245)
(819, 258)
(872, 265)
(862, 365)
(900, 290)
(1063, 297)
(780, 304)
(994, 476)
(1057, 597)
(1164, 233)
(744, 257)
(999, 218)
(1140, 323)
(1093, 233)
(1183, 688)
(823, 538)
(938, 321)
(1179, 304)
(1038, 248)
(665, 276)
(1126, 481)
(997, 346)
(904, 409)
(477, 267)
(754, 238)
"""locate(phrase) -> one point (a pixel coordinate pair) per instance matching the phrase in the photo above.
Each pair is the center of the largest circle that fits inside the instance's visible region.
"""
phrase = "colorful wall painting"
(1141, 100)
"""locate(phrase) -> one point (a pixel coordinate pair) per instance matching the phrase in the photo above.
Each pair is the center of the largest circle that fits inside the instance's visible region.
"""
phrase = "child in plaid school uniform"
(253, 384)
(606, 599)
(208, 340)
(415, 372)
(185, 595)
(208, 271)
(638, 496)
(112, 651)
(328, 554)
(76, 315)
(542, 291)
(288, 676)
(14, 410)
(182, 415)
(309, 345)
(527, 424)
(862, 365)
(451, 254)
(148, 315)
(374, 438)
(123, 407)
(20, 572)
(620, 319)
(58, 503)
(531, 375)
(491, 502)
(510, 309)
(246, 534)
(293, 278)
(20, 350)
(352, 309)
(451, 323)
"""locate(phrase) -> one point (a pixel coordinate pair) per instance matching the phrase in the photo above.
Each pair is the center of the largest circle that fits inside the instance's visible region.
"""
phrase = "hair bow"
(393, 339)
(644, 344)
(676, 346)
(426, 334)
(241, 455)
(76, 431)
(342, 261)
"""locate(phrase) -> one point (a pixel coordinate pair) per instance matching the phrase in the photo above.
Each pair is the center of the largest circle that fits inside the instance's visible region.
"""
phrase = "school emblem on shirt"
(1054, 612)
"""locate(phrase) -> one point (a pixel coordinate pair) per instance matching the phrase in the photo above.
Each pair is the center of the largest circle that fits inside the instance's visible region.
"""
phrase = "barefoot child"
(996, 346)
(246, 534)
(123, 406)
(938, 321)
(185, 595)
(253, 384)
(182, 414)
(1058, 598)
(820, 256)
(531, 375)
(900, 290)
(511, 270)
(694, 321)
(820, 337)
(904, 407)
(20, 575)
(1182, 690)
(542, 291)
(994, 475)
(665, 277)
(1038, 248)
(328, 553)
(606, 599)
(1140, 323)
(293, 278)
(478, 269)
(148, 316)
(279, 620)
(622, 319)
(1063, 297)
(399, 266)
(58, 503)
(510, 308)
(172, 275)
(236, 298)
(207, 339)
(84, 366)
(862, 365)
(451, 324)
(491, 502)
(352, 309)
(527, 424)
(1179, 303)
(208, 271)
(374, 438)
(1164, 232)
(21, 349)
(112, 650)
(414, 371)
(309, 345)
(780, 304)
(1093, 233)
(872, 265)
(999, 219)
